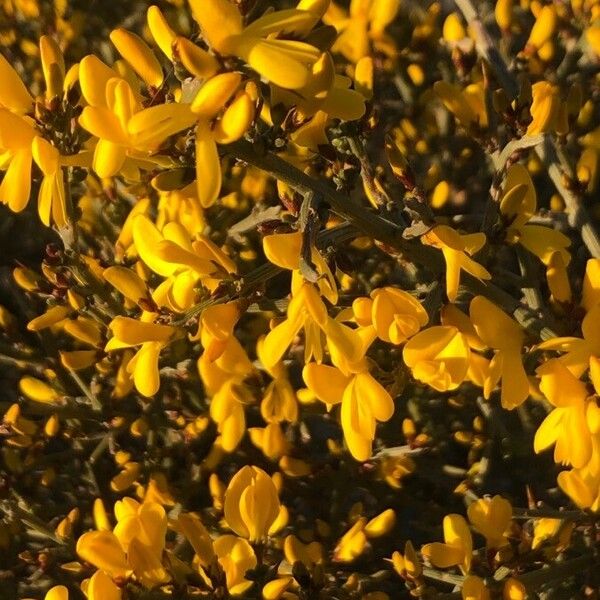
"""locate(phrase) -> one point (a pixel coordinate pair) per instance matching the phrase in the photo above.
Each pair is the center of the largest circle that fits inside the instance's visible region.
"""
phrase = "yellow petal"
(544, 27)
(84, 329)
(38, 390)
(51, 317)
(78, 359)
(493, 326)
(197, 61)
(442, 555)
(53, 66)
(283, 249)
(146, 238)
(103, 550)
(45, 155)
(146, 564)
(93, 78)
(219, 20)
(101, 587)
(382, 524)
(236, 120)
(372, 392)
(108, 158)
(327, 383)
(13, 93)
(270, 59)
(571, 483)
(198, 536)
(162, 33)
(145, 374)
(135, 51)
(152, 126)
(126, 281)
(133, 332)
(214, 94)
(208, 166)
(58, 592)
(16, 184)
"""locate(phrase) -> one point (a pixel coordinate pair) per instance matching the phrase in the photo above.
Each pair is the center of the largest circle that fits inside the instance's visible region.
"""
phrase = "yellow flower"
(185, 263)
(457, 250)
(58, 592)
(457, 549)
(517, 205)
(363, 400)
(101, 587)
(554, 531)
(232, 365)
(16, 136)
(407, 565)
(583, 485)
(467, 105)
(135, 546)
(353, 543)
(544, 109)
(281, 61)
(579, 350)
(307, 311)
(505, 336)
(236, 557)
(473, 588)
(283, 250)
(14, 95)
(279, 402)
(543, 28)
(152, 337)
(396, 314)
(227, 411)
(491, 517)
(127, 135)
(308, 554)
(566, 426)
(438, 356)
(251, 503)
(365, 22)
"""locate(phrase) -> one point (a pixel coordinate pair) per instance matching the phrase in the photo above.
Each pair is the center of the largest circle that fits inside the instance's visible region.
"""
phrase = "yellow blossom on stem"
(457, 548)
(407, 565)
(396, 314)
(438, 356)
(135, 546)
(473, 588)
(281, 61)
(457, 250)
(491, 517)
(101, 587)
(363, 24)
(583, 485)
(505, 336)
(251, 503)
(284, 249)
(578, 350)
(363, 400)
(152, 337)
(236, 557)
(184, 262)
(517, 205)
(307, 311)
(566, 426)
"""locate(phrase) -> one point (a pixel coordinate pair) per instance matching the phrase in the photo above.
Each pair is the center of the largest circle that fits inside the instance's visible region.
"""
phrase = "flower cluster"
(297, 283)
